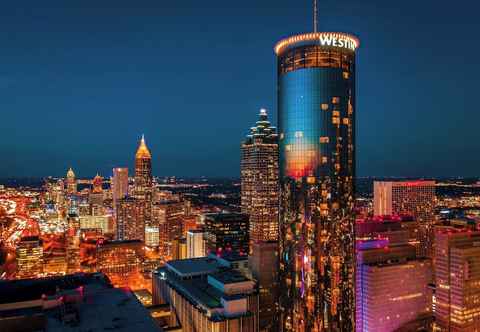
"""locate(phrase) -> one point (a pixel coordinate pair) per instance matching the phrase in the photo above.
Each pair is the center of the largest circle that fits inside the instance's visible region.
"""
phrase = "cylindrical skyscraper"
(316, 112)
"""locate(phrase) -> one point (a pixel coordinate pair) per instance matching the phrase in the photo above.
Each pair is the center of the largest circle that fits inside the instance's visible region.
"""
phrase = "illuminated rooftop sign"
(333, 39)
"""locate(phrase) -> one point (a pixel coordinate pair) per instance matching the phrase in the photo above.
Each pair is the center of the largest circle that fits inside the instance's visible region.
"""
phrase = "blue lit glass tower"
(316, 112)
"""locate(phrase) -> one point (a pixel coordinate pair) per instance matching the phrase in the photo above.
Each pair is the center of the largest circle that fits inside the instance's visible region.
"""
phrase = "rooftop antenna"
(315, 16)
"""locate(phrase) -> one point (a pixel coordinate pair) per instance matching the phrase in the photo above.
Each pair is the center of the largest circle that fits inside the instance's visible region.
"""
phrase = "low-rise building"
(204, 295)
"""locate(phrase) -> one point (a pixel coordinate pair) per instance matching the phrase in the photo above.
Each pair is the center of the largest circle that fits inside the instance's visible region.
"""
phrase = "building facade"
(195, 244)
(29, 253)
(392, 287)
(97, 184)
(264, 267)
(130, 213)
(316, 113)
(457, 275)
(119, 183)
(71, 182)
(205, 296)
(259, 173)
(415, 198)
(226, 233)
(143, 168)
(168, 217)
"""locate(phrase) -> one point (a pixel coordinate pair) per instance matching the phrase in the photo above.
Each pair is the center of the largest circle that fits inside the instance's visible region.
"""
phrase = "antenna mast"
(315, 16)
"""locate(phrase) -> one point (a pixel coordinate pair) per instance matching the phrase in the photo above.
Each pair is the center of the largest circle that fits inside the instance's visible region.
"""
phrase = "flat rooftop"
(108, 310)
(194, 266)
(32, 289)
(229, 277)
(89, 302)
(200, 293)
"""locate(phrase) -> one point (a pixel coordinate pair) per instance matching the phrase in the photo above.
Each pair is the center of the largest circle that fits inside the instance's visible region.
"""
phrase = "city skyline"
(101, 103)
(339, 213)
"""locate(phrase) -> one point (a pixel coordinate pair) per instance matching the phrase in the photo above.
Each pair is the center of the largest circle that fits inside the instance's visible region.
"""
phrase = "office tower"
(152, 236)
(259, 172)
(97, 184)
(392, 288)
(316, 114)
(226, 232)
(264, 266)
(72, 240)
(204, 295)
(71, 182)
(396, 229)
(167, 216)
(179, 249)
(119, 183)
(130, 219)
(415, 198)
(189, 222)
(195, 244)
(143, 168)
(457, 274)
(119, 257)
(103, 223)
(29, 253)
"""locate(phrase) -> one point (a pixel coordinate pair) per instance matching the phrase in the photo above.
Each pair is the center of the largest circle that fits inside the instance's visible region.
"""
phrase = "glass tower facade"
(316, 112)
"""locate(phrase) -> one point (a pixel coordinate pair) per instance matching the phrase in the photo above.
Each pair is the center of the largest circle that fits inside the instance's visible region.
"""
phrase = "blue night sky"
(80, 82)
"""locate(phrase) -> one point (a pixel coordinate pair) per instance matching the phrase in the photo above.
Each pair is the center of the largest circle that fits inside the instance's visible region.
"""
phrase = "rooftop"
(109, 309)
(33, 289)
(229, 277)
(79, 302)
(335, 39)
(193, 266)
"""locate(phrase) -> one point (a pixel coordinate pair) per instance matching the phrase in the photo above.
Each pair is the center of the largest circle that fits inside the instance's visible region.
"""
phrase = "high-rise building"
(316, 113)
(119, 257)
(29, 253)
(457, 275)
(264, 267)
(130, 219)
(396, 229)
(226, 232)
(71, 182)
(152, 236)
(392, 287)
(259, 172)
(167, 216)
(415, 198)
(195, 244)
(143, 168)
(97, 184)
(119, 183)
(204, 295)
(179, 249)
(72, 240)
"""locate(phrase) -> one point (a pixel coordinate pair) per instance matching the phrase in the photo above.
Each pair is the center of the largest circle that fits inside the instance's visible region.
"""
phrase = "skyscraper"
(168, 217)
(130, 219)
(97, 184)
(195, 244)
(119, 184)
(263, 264)
(457, 275)
(29, 253)
(316, 112)
(143, 168)
(226, 233)
(71, 182)
(415, 198)
(392, 287)
(259, 171)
